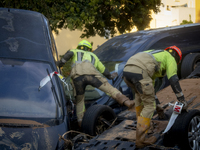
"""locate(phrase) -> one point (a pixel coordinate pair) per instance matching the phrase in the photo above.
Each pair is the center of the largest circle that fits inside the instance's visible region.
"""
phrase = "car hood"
(30, 135)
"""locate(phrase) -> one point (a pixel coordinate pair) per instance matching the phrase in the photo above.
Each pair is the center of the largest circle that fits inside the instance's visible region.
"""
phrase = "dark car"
(30, 118)
(115, 52)
(184, 132)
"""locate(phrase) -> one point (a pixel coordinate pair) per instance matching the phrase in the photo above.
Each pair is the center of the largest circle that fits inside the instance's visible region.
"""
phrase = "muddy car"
(30, 118)
(182, 134)
(102, 112)
(115, 52)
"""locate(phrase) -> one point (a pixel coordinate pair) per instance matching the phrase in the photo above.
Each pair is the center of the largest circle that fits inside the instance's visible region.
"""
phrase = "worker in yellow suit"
(140, 73)
(87, 69)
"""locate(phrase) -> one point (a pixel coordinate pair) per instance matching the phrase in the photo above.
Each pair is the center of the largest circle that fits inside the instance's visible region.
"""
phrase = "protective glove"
(184, 102)
(114, 75)
(59, 64)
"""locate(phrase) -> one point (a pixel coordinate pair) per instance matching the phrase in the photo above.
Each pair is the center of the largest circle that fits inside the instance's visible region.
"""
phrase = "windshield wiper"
(53, 90)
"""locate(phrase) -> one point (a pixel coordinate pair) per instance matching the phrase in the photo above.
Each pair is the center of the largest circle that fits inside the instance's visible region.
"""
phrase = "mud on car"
(113, 124)
(116, 51)
(30, 117)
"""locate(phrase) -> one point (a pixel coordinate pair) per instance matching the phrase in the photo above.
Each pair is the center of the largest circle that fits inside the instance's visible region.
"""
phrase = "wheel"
(189, 63)
(185, 132)
(97, 119)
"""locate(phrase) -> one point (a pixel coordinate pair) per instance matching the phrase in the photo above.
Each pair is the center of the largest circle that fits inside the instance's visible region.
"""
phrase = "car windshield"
(92, 93)
(19, 94)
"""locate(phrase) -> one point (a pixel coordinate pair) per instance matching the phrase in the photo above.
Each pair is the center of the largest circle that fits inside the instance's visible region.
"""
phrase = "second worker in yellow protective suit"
(87, 69)
(140, 73)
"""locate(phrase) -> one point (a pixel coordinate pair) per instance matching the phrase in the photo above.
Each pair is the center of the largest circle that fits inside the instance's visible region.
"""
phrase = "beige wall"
(67, 39)
(190, 3)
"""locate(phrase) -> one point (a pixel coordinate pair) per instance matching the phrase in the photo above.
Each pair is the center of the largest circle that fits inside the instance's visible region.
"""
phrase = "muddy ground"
(190, 88)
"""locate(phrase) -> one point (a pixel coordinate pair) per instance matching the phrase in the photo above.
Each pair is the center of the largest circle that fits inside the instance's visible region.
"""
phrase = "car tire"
(92, 123)
(189, 63)
(184, 132)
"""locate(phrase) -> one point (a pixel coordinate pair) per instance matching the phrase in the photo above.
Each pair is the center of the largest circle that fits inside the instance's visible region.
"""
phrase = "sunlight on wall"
(67, 39)
(169, 16)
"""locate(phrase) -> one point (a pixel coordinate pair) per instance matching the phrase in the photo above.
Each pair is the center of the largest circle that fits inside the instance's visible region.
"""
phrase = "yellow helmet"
(84, 45)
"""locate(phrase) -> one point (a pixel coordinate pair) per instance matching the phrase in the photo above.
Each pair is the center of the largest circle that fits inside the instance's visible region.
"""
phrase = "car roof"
(24, 35)
(122, 47)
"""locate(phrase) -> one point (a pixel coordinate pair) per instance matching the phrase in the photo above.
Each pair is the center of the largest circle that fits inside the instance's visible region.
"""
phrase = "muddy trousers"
(140, 82)
(80, 84)
(145, 104)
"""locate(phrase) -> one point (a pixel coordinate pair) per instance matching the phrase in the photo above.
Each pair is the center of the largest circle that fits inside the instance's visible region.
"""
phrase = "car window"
(19, 94)
(51, 40)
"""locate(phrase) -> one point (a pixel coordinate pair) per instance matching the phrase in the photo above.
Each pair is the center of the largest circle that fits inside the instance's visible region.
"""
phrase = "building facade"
(173, 12)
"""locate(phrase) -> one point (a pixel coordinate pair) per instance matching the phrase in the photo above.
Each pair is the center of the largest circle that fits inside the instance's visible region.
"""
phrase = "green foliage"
(186, 22)
(93, 17)
(66, 67)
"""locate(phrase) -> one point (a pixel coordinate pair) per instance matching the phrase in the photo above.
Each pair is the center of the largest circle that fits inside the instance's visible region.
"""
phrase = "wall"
(185, 12)
(67, 39)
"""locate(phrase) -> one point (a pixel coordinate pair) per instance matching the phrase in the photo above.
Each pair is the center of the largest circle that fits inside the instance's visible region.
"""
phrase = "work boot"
(138, 110)
(160, 111)
(123, 100)
(142, 139)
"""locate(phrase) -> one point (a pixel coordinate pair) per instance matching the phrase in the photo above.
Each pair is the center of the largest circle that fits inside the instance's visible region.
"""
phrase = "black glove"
(107, 74)
(114, 75)
(183, 101)
(59, 64)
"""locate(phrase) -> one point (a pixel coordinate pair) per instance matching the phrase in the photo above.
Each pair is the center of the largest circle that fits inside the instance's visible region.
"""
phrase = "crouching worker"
(140, 73)
(87, 69)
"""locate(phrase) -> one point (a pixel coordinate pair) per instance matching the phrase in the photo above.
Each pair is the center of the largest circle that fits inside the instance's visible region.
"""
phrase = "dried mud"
(190, 88)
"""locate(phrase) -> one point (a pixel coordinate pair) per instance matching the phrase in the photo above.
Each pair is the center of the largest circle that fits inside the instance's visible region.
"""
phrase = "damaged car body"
(117, 51)
(30, 117)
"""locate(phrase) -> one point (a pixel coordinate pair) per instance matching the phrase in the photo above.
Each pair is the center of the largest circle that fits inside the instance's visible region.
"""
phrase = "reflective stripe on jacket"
(81, 55)
(168, 65)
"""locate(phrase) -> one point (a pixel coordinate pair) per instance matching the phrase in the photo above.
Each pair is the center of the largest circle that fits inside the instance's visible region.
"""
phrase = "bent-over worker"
(87, 69)
(140, 73)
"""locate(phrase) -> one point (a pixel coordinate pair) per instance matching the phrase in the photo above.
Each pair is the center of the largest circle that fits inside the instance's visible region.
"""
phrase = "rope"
(69, 142)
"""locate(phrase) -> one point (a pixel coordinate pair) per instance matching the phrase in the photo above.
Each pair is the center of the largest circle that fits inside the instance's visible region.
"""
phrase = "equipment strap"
(92, 59)
(156, 51)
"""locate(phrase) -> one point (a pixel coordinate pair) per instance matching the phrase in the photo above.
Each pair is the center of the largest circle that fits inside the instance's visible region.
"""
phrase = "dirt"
(20, 122)
(125, 131)
(190, 89)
